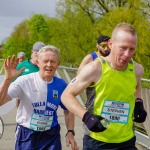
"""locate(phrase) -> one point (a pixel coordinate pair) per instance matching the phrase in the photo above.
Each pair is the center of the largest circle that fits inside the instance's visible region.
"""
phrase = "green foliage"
(25, 35)
(14, 46)
(92, 8)
(38, 28)
(142, 26)
(76, 33)
(79, 25)
(1, 54)
(18, 41)
(1, 66)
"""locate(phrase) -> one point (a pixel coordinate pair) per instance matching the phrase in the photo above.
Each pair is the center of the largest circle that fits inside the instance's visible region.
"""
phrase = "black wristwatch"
(72, 131)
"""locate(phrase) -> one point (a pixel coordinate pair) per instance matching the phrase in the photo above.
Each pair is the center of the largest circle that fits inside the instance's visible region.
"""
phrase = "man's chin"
(48, 73)
(105, 54)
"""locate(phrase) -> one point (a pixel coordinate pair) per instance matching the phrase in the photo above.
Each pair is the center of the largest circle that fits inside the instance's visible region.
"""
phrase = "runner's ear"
(36, 62)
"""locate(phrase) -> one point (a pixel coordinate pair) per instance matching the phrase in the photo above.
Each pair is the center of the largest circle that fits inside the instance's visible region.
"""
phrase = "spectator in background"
(30, 64)
(21, 56)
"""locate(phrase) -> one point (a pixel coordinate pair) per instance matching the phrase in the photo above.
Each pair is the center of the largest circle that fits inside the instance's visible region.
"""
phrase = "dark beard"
(104, 54)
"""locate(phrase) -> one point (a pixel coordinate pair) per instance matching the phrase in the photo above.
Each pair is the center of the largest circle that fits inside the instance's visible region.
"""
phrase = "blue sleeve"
(94, 55)
(61, 104)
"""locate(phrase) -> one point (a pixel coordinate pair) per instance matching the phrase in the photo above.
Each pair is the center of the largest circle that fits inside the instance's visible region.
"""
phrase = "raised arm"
(10, 73)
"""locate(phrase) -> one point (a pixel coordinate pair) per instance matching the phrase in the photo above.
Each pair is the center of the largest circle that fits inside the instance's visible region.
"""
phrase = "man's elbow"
(64, 97)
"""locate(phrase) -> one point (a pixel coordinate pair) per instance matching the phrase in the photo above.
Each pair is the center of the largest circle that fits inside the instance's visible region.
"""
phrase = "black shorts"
(92, 144)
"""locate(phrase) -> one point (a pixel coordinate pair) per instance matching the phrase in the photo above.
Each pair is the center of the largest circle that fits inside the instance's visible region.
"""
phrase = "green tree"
(18, 41)
(103, 16)
(38, 28)
(142, 27)
(92, 8)
(78, 26)
(26, 34)
(80, 38)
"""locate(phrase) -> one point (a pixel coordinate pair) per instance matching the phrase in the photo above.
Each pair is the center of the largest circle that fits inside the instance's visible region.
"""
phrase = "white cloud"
(12, 12)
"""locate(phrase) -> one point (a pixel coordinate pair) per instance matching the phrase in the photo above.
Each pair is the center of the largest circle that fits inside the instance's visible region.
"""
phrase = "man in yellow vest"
(115, 101)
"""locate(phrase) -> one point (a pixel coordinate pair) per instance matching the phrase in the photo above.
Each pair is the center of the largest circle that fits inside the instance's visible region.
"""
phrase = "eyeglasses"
(103, 45)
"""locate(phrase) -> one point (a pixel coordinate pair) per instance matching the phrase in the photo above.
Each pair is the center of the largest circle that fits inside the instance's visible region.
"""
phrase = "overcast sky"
(12, 12)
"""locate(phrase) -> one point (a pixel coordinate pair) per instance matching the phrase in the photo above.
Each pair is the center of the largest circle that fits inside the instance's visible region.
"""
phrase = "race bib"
(40, 122)
(116, 111)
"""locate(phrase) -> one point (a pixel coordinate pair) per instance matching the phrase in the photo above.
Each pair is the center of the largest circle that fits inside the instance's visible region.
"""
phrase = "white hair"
(49, 48)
